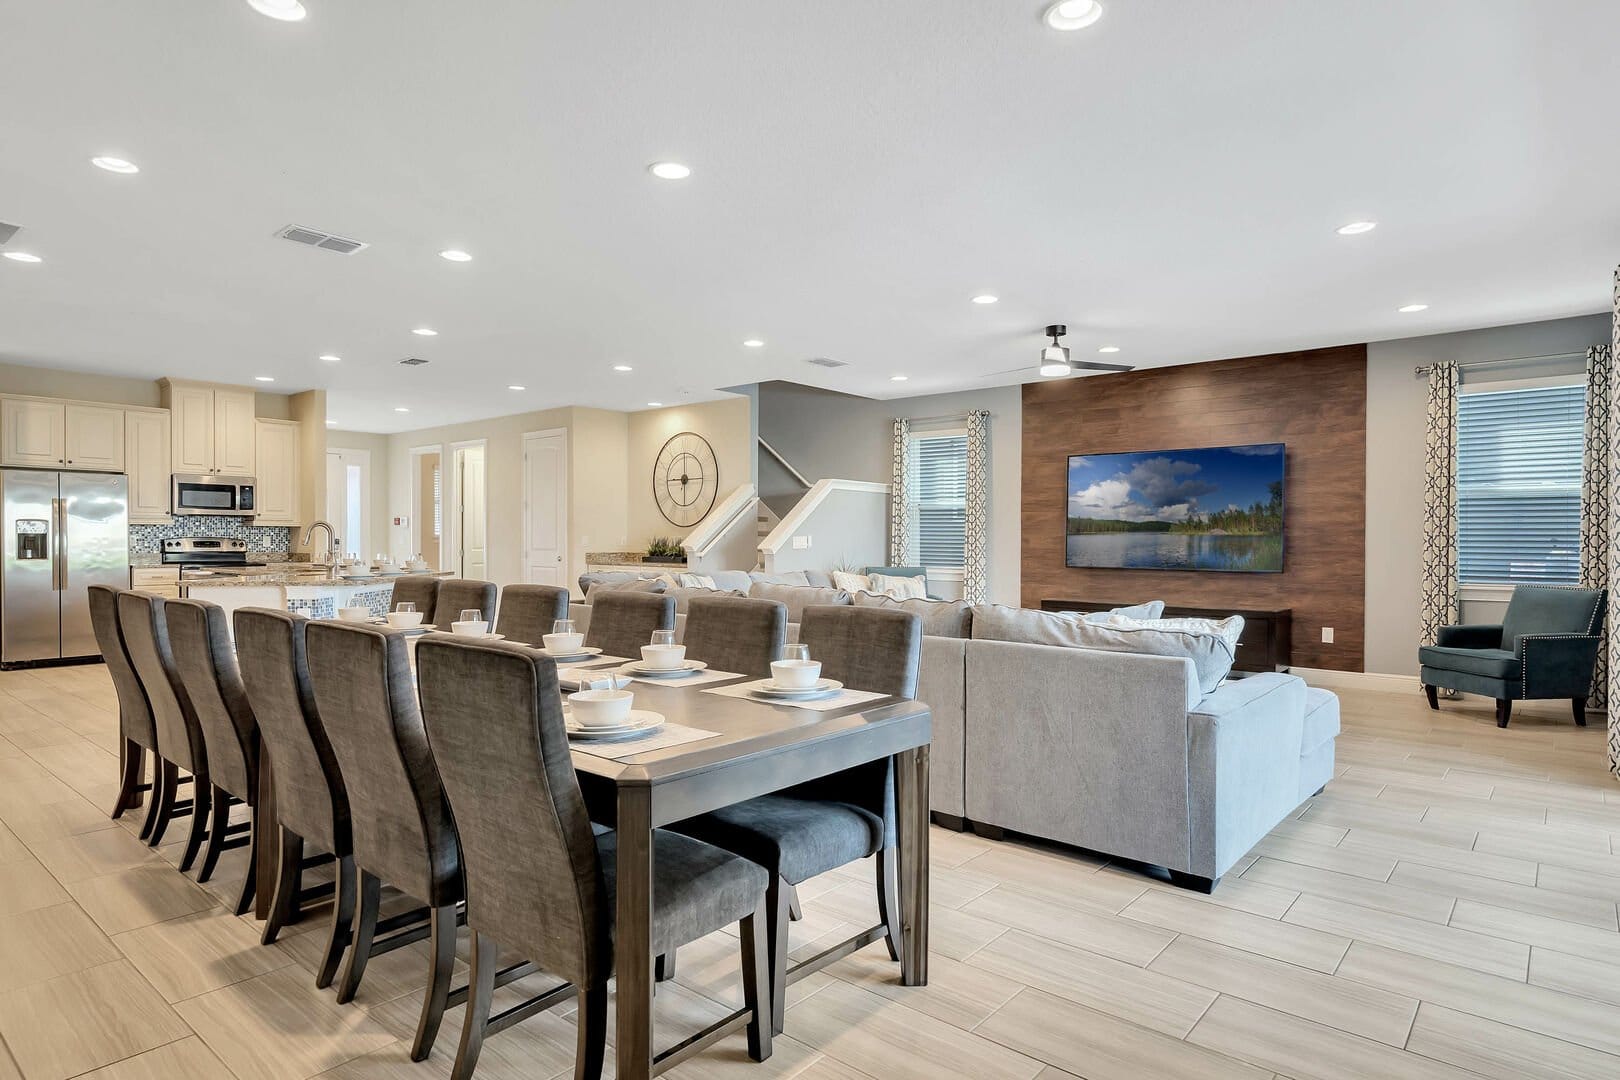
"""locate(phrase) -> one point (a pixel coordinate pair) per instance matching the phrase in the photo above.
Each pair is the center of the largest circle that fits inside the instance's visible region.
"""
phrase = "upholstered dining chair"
(180, 736)
(137, 735)
(527, 611)
(403, 833)
(311, 803)
(539, 880)
(735, 633)
(819, 826)
(457, 595)
(623, 620)
(419, 589)
(199, 634)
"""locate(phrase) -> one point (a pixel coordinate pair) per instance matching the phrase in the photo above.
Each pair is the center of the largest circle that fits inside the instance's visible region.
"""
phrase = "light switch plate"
(801, 543)
(1327, 635)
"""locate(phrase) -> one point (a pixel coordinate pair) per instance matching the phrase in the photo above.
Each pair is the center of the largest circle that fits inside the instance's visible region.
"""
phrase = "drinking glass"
(563, 626)
(663, 637)
(404, 605)
(472, 614)
(795, 651)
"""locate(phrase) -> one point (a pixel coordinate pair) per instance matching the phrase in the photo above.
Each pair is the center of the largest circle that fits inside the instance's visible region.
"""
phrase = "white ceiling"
(1168, 181)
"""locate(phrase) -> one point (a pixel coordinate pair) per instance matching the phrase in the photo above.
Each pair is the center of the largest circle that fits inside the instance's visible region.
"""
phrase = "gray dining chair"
(419, 589)
(206, 659)
(137, 733)
(527, 611)
(735, 633)
(622, 621)
(403, 832)
(811, 828)
(457, 595)
(539, 879)
(179, 735)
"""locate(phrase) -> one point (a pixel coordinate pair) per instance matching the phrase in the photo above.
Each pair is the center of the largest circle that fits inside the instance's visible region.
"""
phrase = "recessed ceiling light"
(754, 343)
(284, 10)
(21, 256)
(1109, 348)
(330, 359)
(623, 367)
(115, 164)
(423, 331)
(1073, 14)
(401, 408)
(1356, 228)
(669, 170)
(515, 386)
(452, 255)
(898, 378)
(1410, 308)
(264, 378)
(985, 298)
(655, 404)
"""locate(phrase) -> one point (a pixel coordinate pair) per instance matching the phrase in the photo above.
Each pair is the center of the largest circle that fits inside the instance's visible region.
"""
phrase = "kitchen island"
(303, 593)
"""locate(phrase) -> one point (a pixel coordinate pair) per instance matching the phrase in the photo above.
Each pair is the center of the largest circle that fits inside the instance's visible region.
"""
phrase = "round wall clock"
(685, 479)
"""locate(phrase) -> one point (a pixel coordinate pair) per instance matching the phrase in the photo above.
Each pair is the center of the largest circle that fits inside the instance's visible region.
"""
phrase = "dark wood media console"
(1264, 645)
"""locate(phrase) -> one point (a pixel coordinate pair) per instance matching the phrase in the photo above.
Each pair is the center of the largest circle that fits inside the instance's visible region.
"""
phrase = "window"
(1519, 485)
(938, 496)
(438, 503)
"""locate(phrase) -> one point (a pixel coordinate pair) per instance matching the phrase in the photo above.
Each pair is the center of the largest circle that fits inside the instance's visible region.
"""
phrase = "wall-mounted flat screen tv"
(1218, 508)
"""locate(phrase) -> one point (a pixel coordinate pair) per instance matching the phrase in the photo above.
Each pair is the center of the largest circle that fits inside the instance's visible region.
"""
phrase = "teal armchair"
(1545, 648)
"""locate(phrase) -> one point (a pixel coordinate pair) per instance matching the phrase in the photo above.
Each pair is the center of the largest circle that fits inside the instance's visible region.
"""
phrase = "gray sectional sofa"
(1121, 753)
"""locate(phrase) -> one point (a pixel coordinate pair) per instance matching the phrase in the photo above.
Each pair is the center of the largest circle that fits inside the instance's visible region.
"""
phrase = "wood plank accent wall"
(1315, 402)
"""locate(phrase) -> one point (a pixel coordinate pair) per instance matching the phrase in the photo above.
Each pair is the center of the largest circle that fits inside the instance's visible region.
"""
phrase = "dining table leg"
(911, 798)
(633, 935)
(267, 851)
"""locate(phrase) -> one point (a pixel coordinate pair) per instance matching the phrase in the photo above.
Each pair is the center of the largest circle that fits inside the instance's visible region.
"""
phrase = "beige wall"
(729, 427)
(112, 389)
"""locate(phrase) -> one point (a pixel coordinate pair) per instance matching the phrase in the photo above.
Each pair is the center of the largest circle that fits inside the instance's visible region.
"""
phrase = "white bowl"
(794, 674)
(354, 614)
(476, 628)
(602, 708)
(563, 644)
(404, 620)
(663, 657)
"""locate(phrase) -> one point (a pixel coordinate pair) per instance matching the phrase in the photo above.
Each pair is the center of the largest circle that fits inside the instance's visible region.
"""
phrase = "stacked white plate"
(639, 722)
(421, 629)
(482, 637)
(642, 671)
(584, 653)
(822, 688)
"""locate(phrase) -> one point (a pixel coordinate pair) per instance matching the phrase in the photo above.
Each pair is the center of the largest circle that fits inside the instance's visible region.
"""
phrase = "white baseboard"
(1358, 680)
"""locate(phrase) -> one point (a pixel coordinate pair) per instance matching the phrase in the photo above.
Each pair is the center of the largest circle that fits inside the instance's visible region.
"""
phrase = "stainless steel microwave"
(214, 496)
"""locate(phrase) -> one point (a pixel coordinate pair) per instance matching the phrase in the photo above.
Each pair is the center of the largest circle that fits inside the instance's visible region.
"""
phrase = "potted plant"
(664, 549)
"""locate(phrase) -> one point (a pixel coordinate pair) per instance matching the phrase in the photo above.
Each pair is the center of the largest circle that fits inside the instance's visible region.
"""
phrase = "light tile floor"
(1446, 909)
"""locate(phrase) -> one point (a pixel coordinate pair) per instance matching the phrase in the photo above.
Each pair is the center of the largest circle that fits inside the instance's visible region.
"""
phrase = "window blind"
(939, 499)
(1519, 486)
(438, 502)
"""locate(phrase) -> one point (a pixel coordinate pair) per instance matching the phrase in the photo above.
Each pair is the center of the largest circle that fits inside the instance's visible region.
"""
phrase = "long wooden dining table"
(758, 747)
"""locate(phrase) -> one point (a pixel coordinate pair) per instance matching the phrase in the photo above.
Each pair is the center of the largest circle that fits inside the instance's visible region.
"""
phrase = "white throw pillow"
(852, 582)
(900, 587)
(1211, 644)
(695, 581)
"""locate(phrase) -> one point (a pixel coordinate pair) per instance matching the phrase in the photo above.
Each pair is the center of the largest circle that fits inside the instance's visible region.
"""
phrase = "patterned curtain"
(899, 513)
(1614, 524)
(1597, 503)
(1439, 582)
(976, 556)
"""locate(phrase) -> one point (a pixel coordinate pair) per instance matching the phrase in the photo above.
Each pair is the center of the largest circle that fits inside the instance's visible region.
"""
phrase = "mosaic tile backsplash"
(261, 539)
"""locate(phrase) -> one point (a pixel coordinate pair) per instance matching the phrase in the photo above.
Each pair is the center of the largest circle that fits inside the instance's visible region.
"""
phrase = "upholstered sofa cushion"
(683, 596)
(792, 577)
(1153, 609)
(996, 622)
(1211, 644)
(1321, 719)
(637, 584)
(941, 618)
(736, 581)
(797, 597)
(1491, 663)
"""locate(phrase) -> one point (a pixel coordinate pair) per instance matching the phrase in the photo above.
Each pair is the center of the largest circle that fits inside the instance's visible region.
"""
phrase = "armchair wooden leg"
(1504, 710)
(1434, 697)
(1580, 711)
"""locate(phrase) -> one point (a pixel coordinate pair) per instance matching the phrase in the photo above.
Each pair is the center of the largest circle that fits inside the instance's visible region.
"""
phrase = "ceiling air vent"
(7, 232)
(413, 361)
(298, 234)
(826, 361)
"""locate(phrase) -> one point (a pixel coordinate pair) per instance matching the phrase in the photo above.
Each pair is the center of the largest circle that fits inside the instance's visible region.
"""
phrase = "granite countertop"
(296, 580)
(628, 558)
(268, 558)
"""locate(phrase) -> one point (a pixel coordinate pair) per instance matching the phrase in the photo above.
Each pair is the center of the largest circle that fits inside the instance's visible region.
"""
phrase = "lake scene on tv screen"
(1218, 508)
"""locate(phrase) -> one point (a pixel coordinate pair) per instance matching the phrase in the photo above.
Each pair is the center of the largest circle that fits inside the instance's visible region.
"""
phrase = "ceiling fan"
(1055, 361)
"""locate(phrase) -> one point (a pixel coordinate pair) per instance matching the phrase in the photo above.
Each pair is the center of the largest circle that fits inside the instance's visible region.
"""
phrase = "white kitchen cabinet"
(162, 580)
(146, 461)
(276, 469)
(213, 429)
(94, 437)
(33, 431)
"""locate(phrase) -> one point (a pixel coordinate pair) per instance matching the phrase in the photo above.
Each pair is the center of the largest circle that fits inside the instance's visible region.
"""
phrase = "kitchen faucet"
(332, 539)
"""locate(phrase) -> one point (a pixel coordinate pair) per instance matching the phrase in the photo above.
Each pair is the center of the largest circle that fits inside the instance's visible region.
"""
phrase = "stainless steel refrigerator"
(63, 532)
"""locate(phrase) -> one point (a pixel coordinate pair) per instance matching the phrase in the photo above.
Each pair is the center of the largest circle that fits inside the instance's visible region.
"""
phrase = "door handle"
(58, 545)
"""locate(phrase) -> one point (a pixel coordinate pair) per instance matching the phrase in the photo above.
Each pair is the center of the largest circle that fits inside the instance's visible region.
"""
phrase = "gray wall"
(828, 435)
(1395, 407)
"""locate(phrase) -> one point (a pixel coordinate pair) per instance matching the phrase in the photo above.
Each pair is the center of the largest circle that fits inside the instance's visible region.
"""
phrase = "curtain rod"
(1422, 370)
(946, 416)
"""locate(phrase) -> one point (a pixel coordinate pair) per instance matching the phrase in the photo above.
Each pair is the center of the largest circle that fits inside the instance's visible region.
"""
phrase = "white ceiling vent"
(7, 231)
(413, 361)
(298, 234)
(826, 361)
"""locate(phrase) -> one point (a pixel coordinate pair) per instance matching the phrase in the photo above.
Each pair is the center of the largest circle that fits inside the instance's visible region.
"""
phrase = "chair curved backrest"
(622, 621)
(865, 648)
(419, 589)
(1552, 609)
(457, 595)
(134, 711)
(146, 634)
(401, 823)
(310, 797)
(206, 660)
(534, 881)
(735, 633)
(527, 611)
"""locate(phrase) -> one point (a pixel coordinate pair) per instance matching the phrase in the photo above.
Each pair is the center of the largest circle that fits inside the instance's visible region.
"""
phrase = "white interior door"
(474, 561)
(545, 508)
(348, 498)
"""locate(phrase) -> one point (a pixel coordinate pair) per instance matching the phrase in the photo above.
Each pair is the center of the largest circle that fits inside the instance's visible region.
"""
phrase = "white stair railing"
(851, 517)
(726, 534)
